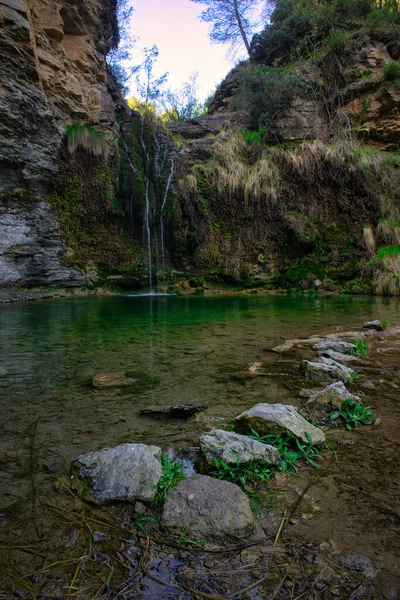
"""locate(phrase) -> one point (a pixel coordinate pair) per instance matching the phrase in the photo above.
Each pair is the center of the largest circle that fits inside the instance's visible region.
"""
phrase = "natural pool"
(195, 346)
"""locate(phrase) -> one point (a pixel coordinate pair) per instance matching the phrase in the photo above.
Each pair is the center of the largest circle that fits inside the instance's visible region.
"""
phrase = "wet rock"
(339, 357)
(342, 347)
(321, 370)
(328, 399)
(277, 419)
(208, 509)
(285, 347)
(307, 393)
(124, 473)
(3, 372)
(232, 448)
(181, 411)
(368, 385)
(375, 325)
(105, 381)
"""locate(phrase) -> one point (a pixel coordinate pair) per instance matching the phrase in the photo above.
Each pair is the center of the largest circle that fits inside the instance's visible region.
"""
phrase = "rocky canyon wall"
(52, 73)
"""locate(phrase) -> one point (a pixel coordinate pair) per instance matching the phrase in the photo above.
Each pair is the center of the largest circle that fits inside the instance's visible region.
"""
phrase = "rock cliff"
(52, 73)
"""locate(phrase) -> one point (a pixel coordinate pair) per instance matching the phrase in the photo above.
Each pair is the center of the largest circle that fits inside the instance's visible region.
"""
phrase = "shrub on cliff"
(264, 92)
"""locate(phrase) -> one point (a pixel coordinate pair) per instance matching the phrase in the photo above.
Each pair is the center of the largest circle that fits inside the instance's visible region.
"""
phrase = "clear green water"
(52, 349)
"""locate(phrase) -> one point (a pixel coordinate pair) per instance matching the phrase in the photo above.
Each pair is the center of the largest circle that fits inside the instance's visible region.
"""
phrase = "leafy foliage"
(352, 414)
(291, 449)
(392, 71)
(361, 347)
(265, 92)
(173, 474)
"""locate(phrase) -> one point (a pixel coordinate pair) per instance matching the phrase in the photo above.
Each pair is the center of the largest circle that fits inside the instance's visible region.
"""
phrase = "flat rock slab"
(233, 448)
(375, 325)
(105, 381)
(277, 419)
(208, 510)
(125, 473)
(181, 411)
(342, 347)
(339, 357)
(321, 370)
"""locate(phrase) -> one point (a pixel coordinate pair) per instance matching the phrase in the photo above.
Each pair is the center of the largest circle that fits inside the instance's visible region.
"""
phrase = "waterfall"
(157, 154)
(147, 183)
(169, 180)
(134, 171)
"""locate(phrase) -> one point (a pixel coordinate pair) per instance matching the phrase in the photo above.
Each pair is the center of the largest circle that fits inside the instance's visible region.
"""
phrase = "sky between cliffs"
(182, 40)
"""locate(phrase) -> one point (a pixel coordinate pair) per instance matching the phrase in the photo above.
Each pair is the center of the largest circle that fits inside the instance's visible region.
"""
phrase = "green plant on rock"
(291, 449)
(361, 347)
(354, 376)
(384, 322)
(246, 478)
(173, 474)
(352, 414)
(85, 136)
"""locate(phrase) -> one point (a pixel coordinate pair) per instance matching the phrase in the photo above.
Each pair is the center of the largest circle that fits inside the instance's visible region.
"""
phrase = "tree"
(149, 88)
(182, 103)
(121, 45)
(231, 21)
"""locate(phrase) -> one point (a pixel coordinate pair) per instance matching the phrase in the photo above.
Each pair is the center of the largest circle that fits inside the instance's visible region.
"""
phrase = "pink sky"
(182, 40)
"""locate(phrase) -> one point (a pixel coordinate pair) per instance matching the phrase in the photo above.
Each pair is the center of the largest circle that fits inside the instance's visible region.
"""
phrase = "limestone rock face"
(125, 473)
(209, 510)
(277, 419)
(232, 448)
(52, 73)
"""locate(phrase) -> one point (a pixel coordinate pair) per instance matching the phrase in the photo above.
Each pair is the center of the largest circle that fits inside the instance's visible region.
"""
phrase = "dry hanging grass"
(369, 240)
(84, 136)
(388, 232)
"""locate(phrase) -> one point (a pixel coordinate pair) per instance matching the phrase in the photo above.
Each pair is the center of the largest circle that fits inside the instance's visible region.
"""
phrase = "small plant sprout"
(173, 474)
(352, 414)
(354, 376)
(384, 322)
(361, 347)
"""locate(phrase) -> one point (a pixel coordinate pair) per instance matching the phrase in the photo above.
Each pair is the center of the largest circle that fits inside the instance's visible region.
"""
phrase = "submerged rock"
(125, 473)
(3, 372)
(105, 381)
(342, 347)
(321, 370)
(180, 411)
(232, 448)
(277, 419)
(375, 325)
(208, 510)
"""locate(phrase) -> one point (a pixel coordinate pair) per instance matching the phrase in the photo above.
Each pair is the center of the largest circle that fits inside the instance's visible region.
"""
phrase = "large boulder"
(208, 510)
(125, 473)
(232, 448)
(336, 346)
(277, 419)
(321, 370)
